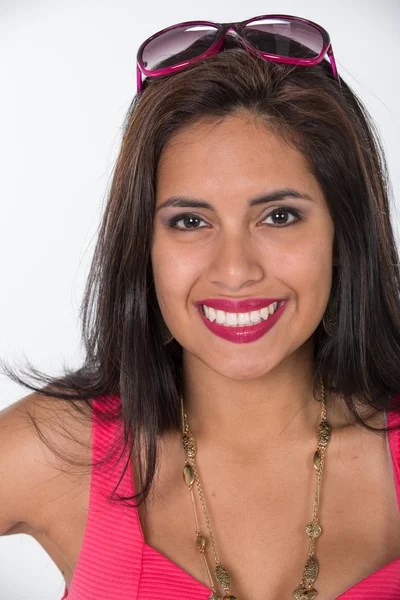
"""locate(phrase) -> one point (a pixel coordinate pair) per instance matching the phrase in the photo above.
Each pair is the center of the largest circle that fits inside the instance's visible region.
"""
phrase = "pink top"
(115, 563)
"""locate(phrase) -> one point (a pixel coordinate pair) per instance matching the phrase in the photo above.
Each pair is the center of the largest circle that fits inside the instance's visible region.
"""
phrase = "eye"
(188, 219)
(282, 211)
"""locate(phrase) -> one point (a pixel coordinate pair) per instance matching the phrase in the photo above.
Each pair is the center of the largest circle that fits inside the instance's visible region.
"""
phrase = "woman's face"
(233, 250)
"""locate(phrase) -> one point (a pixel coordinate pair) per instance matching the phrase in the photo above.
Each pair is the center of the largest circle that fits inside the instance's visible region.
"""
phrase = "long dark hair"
(122, 326)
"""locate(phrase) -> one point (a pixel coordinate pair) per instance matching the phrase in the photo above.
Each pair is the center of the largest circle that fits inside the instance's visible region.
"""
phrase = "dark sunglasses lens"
(284, 37)
(177, 45)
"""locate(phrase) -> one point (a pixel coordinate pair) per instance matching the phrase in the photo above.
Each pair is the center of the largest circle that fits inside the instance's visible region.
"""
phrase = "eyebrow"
(182, 201)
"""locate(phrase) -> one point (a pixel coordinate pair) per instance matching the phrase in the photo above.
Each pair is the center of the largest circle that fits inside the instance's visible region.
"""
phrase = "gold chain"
(305, 589)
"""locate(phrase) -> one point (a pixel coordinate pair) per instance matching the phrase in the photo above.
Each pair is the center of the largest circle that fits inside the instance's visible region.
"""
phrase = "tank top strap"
(393, 440)
(104, 436)
(110, 561)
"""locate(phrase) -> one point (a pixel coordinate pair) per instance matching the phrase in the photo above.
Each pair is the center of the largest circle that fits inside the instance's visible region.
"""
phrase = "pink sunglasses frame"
(236, 27)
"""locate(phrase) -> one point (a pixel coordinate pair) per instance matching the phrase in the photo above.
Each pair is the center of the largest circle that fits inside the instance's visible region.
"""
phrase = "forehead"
(237, 151)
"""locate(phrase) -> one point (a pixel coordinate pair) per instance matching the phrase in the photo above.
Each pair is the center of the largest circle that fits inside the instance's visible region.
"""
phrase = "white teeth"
(221, 316)
(255, 316)
(243, 319)
(272, 308)
(239, 319)
(231, 319)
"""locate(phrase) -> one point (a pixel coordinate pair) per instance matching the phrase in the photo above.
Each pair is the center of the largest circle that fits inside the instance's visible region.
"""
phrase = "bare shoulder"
(45, 460)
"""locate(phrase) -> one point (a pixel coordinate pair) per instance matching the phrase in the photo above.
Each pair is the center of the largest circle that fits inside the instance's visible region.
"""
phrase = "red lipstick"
(237, 306)
(248, 333)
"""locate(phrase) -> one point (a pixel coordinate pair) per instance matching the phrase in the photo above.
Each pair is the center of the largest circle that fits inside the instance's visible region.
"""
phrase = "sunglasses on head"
(279, 38)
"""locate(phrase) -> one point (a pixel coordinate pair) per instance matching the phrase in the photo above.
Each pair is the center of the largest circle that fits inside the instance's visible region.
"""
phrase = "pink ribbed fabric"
(116, 564)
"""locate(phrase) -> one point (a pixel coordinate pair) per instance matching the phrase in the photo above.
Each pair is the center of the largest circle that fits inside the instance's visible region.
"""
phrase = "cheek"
(174, 274)
(309, 272)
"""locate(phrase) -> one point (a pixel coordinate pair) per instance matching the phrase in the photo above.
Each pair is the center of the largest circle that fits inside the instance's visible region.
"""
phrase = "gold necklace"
(305, 589)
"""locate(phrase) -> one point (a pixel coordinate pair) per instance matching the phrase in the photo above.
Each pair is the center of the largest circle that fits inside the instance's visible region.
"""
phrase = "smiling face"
(236, 248)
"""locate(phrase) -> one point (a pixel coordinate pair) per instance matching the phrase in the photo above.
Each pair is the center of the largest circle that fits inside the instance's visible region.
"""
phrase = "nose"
(236, 263)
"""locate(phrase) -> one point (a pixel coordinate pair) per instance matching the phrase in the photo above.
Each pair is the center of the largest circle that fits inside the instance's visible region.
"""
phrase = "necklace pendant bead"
(188, 475)
(214, 596)
(223, 577)
(200, 543)
(311, 570)
(189, 445)
(317, 460)
(313, 529)
(324, 433)
(302, 593)
(230, 597)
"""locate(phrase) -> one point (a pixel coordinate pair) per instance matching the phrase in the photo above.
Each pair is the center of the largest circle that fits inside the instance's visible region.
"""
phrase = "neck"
(245, 416)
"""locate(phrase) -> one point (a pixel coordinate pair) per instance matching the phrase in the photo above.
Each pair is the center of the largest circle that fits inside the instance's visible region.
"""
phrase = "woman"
(238, 406)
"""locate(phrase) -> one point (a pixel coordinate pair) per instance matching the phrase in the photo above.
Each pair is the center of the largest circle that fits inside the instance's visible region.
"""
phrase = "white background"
(67, 77)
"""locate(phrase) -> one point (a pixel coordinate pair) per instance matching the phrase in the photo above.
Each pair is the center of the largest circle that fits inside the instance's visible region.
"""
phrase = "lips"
(237, 306)
(248, 333)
